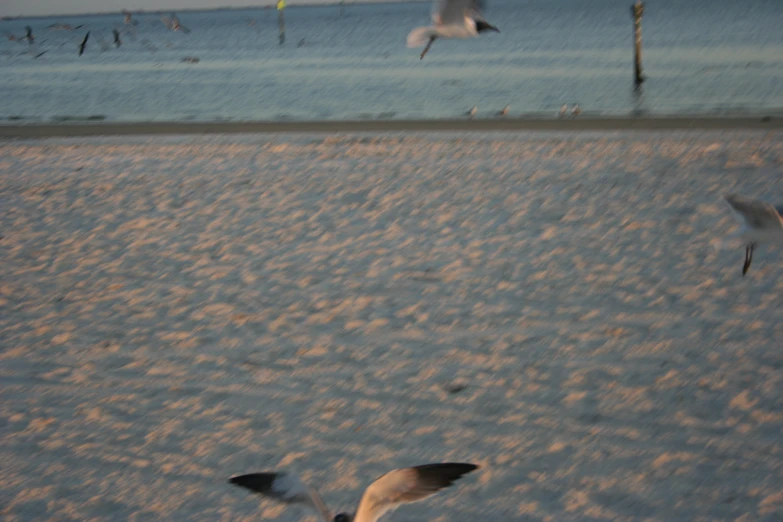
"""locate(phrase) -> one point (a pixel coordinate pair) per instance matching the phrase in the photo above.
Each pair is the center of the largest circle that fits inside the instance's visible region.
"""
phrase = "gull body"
(387, 493)
(760, 222)
(451, 19)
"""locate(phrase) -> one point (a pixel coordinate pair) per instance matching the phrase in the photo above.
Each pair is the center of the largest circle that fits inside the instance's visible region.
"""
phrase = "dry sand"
(176, 310)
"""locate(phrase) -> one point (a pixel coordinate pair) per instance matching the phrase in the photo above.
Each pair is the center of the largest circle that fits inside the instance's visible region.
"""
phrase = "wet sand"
(175, 310)
(40, 130)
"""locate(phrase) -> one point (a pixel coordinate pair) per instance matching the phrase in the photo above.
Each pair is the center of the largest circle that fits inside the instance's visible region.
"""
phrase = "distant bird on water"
(400, 486)
(29, 35)
(563, 110)
(472, 112)
(452, 19)
(117, 41)
(761, 223)
(576, 111)
(84, 43)
(173, 23)
(505, 110)
(128, 18)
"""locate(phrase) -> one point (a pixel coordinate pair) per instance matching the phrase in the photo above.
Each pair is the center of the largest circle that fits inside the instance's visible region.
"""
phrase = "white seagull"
(761, 223)
(386, 494)
(451, 19)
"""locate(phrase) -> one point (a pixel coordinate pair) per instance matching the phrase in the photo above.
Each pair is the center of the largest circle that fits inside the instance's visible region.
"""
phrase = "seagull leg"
(748, 258)
(429, 44)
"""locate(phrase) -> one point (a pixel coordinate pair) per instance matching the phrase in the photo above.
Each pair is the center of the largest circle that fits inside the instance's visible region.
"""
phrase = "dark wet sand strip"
(487, 125)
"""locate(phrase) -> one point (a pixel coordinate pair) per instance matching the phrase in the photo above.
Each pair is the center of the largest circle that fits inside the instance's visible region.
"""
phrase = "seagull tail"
(421, 36)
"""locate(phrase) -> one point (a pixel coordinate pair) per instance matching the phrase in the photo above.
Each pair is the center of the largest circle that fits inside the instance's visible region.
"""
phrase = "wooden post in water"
(637, 10)
(281, 20)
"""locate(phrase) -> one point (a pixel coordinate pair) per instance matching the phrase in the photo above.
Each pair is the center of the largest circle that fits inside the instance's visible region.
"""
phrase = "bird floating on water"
(387, 493)
(761, 223)
(451, 19)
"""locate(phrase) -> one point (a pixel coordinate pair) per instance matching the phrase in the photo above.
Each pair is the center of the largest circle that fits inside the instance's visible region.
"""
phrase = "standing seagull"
(761, 223)
(84, 43)
(386, 494)
(452, 19)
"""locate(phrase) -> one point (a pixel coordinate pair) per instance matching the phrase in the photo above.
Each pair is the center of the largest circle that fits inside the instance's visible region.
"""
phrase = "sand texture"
(177, 310)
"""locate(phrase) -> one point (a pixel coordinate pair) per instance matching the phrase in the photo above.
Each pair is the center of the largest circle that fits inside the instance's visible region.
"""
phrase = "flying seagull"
(451, 19)
(386, 494)
(761, 223)
(84, 43)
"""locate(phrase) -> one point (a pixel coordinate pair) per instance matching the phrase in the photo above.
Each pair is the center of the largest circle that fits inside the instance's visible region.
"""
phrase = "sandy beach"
(175, 310)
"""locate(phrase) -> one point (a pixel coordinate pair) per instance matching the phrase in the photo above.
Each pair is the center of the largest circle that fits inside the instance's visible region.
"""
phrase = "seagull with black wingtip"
(452, 19)
(400, 486)
(84, 43)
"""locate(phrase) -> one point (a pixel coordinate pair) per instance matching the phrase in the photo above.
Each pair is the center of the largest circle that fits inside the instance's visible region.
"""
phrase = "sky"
(58, 7)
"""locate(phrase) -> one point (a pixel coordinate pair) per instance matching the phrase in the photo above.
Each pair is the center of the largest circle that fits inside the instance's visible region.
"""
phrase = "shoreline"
(49, 130)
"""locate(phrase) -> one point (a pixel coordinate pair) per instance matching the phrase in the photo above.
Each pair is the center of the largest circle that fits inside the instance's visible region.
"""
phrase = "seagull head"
(343, 517)
(481, 25)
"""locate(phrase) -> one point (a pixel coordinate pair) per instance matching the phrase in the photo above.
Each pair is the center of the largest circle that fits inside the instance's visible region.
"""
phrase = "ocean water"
(700, 57)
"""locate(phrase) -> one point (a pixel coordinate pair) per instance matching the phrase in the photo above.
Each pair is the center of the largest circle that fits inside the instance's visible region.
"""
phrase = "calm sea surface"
(700, 57)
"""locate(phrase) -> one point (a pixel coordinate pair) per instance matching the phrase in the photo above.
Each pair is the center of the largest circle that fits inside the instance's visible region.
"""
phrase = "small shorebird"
(452, 19)
(173, 23)
(472, 112)
(563, 110)
(84, 43)
(761, 223)
(576, 111)
(505, 110)
(400, 486)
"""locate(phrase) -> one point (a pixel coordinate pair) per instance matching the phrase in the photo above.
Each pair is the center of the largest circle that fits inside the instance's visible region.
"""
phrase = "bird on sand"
(387, 493)
(761, 223)
(451, 19)
(84, 43)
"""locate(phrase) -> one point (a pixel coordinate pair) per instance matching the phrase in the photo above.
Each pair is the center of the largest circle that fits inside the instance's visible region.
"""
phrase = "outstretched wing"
(755, 214)
(446, 12)
(406, 485)
(284, 487)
